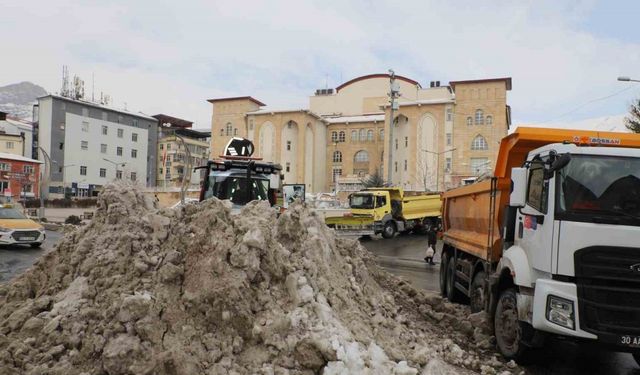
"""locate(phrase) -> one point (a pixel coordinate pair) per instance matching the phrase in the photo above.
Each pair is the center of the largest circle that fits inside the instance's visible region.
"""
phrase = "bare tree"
(632, 121)
(424, 173)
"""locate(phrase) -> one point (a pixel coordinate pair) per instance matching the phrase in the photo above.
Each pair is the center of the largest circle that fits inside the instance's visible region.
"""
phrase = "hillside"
(17, 99)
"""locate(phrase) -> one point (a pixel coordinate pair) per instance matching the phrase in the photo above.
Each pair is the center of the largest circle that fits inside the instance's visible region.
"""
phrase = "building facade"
(19, 176)
(441, 135)
(90, 144)
(175, 138)
(16, 137)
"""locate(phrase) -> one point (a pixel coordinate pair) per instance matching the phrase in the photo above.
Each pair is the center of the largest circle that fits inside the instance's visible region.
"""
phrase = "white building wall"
(93, 158)
(44, 124)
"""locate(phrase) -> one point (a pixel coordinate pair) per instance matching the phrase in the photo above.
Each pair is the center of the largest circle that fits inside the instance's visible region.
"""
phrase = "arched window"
(362, 135)
(341, 137)
(479, 117)
(235, 131)
(489, 120)
(354, 136)
(361, 156)
(382, 134)
(469, 121)
(479, 143)
(334, 136)
(370, 135)
(337, 157)
(229, 129)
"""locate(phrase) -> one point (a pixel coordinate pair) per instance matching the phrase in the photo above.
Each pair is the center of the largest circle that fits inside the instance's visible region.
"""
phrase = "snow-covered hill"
(17, 99)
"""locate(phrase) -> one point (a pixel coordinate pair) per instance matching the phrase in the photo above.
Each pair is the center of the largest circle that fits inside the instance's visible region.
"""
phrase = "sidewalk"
(59, 215)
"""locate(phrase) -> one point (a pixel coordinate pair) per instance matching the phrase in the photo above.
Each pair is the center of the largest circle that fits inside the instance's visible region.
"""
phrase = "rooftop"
(5, 156)
(174, 121)
(507, 81)
(97, 105)
(259, 103)
(380, 75)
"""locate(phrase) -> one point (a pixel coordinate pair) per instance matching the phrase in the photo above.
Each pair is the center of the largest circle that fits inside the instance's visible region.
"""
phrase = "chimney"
(3, 116)
(432, 84)
(437, 83)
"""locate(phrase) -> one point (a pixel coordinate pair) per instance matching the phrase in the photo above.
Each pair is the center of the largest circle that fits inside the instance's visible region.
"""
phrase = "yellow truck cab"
(17, 229)
(387, 211)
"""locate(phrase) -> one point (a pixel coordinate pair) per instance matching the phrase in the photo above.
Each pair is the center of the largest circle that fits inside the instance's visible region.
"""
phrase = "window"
(85, 126)
(362, 135)
(251, 124)
(537, 188)
(479, 143)
(62, 126)
(354, 136)
(288, 167)
(168, 171)
(4, 185)
(168, 146)
(119, 151)
(134, 137)
(288, 145)
(162, 146)
(341, 137)
(396, 143)
(103, 172)
(369, 135)
(119, 119)
(84, 145)
(229, 129)
(382, 134)
(337, 157)
(235, 131)
(160, 170)
(447, 165)
(134, 153)
(361, 157)
(119, 175)
(449, 114)
(448, 139)
(9, 145)
(334, 137)
(469, 121)
(406, 142)
(104, 116)
(28, 169)
(479, 165)
(83, 170)
(405, 165)
(104, 130)
(85, 112)
(479, 117)
(135, 122)
(133, 176)
(489, 120)
(335, 173)
(395, 166)
(61, 145)
(120, 133)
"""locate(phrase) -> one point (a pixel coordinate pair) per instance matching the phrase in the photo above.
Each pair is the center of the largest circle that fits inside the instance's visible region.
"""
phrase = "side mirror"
(518, 196)
(559, 163)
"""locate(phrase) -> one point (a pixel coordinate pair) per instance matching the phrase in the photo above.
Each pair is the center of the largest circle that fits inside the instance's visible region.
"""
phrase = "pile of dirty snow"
(199, 290)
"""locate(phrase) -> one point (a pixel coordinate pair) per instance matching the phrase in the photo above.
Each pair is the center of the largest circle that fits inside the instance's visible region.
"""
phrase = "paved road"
(404, 255)
(16, 259)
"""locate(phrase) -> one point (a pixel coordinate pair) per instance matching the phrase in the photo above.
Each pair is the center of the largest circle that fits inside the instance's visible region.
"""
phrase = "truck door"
(534, 226)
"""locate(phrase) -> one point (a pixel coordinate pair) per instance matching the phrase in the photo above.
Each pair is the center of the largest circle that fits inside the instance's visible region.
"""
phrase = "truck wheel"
(476, 293)
(508, 328)
(444, 263)
(389, 229)
(453, 294)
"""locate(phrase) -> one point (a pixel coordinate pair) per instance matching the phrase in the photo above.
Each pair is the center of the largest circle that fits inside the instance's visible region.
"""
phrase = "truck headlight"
(560, 311)
(4, 229)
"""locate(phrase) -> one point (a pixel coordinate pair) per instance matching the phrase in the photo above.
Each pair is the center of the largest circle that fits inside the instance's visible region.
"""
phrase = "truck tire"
(508, 329)
(477, 293)
(389, 229)
(444, 263)
(453, 294)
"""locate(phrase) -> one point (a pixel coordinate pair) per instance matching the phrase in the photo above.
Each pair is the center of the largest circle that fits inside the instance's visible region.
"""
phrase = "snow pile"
(197, 290)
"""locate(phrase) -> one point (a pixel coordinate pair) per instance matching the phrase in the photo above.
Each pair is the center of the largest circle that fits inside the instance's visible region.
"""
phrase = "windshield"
(600, 188)
(10, 213)
(236, 189)
(361, 201)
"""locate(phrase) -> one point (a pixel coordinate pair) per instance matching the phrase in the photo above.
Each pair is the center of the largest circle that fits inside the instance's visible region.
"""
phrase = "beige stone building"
(12, 144)
(441, 135)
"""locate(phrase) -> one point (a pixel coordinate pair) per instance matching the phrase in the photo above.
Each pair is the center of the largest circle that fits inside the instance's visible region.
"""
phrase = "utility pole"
(44, 180)
(394, 93)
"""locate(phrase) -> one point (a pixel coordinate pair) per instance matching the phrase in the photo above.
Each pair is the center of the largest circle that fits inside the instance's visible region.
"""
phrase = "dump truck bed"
(419, 206)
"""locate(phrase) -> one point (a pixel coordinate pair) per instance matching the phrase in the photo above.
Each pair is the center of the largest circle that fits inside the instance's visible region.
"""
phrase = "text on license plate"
(630, 340)
(27, 239)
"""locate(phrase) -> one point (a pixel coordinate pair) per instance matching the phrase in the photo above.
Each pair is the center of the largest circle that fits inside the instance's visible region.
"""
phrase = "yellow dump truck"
(387, 211)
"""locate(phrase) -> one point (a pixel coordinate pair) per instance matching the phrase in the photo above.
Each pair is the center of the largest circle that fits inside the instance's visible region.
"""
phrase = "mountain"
(18, 99)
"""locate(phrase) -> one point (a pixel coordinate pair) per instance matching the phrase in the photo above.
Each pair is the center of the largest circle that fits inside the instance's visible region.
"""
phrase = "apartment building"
(441, 135)
(19, 177)
(15, 136)
(91, 144)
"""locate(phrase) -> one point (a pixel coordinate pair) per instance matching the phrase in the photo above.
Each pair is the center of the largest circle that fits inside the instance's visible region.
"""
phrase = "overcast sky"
(170, 56)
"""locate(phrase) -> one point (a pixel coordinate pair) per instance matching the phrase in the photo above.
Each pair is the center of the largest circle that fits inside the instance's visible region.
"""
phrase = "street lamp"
(438, 164)
(64, 188)
(44, 180)
(627, 79)
(115, 164)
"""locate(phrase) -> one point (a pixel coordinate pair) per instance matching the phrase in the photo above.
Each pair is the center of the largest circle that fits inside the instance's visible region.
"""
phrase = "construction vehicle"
(240, 178)
(387, 211)
(550, 245)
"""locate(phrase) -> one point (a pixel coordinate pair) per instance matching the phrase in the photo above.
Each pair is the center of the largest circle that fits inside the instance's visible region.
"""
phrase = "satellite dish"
(238, 147)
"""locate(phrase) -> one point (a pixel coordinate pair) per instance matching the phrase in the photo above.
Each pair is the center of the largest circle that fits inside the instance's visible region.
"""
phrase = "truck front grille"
(18, 235)
(608, 281)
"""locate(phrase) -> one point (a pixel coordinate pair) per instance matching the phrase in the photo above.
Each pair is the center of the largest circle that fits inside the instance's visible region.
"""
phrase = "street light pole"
(183, 188)
(627, 79)
(394, 93)
(44, 179)
(438, 165)
(115, 164)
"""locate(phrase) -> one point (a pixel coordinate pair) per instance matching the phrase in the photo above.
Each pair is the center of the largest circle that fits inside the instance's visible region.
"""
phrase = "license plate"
(27, 239)
(633, 341)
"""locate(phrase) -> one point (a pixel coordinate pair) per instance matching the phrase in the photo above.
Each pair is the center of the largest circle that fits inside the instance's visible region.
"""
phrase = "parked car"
(17, 229)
